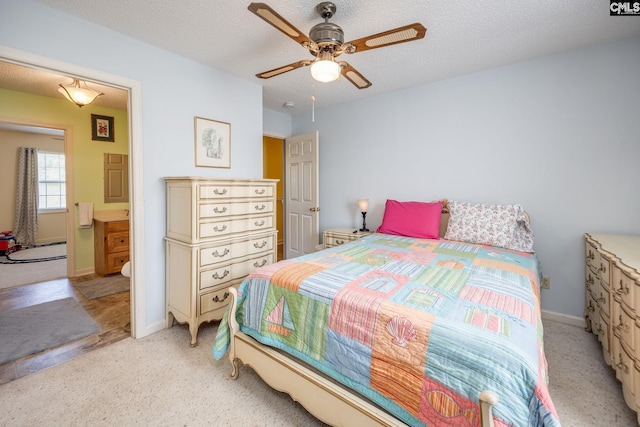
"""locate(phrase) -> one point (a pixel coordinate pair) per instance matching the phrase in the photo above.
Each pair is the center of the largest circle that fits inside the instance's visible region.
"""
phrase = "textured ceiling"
(23, 79)
(462, 37)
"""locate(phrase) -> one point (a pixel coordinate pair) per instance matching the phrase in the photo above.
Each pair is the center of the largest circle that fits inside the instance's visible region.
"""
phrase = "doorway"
(51, 235)
(272, 168)
(134, 90)
(294, 162)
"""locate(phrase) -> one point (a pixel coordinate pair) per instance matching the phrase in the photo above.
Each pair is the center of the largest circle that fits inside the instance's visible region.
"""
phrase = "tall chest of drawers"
(612, 306)
(218, 231)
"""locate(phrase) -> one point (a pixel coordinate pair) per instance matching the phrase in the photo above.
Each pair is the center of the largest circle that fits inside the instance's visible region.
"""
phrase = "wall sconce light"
(364, 205)
(79, 95)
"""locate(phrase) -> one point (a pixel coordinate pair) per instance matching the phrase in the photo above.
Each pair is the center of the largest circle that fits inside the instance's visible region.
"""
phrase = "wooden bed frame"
(325, 399)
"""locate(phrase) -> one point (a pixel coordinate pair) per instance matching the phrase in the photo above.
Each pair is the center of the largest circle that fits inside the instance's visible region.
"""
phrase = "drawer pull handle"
(225, 274)
(224, 297)
(339, 242)
(224, 227)
(591, 255)
(223, 210)
(601, 299)
(260, 208)
(262, 264)
(220, 193)
(624, 289)
(622, 365)
(257, 246)
(599, 331)
(259, 223)
(217, 254)
(591, 309)
(590, 280)
(622, 327)
(259, 190)
(602, 268)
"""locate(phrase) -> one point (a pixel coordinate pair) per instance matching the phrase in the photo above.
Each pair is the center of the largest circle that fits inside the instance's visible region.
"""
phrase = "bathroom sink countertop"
(111, 215)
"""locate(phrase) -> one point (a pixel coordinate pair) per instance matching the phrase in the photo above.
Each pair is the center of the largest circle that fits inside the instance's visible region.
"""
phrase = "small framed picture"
(102, 128)
(213, 143)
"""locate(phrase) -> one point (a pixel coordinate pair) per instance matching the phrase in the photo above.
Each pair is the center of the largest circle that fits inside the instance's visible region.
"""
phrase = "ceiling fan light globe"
(325, 71)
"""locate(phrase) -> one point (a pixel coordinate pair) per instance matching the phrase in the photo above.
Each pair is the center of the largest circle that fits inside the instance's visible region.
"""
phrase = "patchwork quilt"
(421, 327)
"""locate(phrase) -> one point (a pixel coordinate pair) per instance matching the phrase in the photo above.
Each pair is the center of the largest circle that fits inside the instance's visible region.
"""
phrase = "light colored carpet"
(160, 380)
(24, 274)
(103, 286)
(38, 327)
(583, 388)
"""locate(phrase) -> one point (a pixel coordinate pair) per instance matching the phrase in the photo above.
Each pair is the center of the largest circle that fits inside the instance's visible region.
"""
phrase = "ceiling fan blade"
(283, 69)
(273, 18)
(354, 76)
(398, 35)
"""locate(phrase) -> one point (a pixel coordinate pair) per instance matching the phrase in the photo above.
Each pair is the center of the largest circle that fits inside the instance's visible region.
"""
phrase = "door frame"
(134, 88)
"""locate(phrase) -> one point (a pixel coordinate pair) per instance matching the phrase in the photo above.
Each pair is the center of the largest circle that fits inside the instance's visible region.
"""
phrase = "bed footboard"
(327, 400)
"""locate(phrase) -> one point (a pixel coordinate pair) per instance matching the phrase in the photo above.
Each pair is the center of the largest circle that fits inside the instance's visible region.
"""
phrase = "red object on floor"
(4, 243)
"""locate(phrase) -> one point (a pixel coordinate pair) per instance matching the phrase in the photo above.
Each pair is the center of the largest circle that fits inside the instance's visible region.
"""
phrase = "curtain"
(26, 223)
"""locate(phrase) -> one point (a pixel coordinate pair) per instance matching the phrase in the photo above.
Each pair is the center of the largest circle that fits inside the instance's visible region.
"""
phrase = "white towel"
(85, 215)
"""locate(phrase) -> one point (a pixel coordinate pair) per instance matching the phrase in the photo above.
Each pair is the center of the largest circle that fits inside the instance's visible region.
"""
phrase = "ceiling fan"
(326, 43)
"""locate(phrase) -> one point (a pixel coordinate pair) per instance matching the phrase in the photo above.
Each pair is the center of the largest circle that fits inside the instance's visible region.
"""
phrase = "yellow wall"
(87, 156)
(272, 167)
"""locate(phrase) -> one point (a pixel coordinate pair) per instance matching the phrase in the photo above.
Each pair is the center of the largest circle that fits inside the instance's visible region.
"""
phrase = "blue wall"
(174, 91)
(558, 134)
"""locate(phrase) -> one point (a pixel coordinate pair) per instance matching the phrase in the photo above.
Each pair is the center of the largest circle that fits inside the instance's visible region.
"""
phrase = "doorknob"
(314, 209)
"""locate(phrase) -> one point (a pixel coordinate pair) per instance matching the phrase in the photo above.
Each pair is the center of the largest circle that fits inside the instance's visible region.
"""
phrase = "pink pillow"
(413, 219)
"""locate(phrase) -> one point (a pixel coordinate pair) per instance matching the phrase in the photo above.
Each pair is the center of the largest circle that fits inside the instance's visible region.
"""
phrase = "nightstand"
(339, 236)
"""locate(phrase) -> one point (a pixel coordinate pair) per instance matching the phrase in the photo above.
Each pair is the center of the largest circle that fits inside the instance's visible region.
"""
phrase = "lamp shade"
(78, 94)
(363, 204)
(325, 69)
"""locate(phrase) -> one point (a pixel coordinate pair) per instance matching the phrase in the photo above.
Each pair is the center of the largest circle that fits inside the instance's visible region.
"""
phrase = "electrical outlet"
(546, 282)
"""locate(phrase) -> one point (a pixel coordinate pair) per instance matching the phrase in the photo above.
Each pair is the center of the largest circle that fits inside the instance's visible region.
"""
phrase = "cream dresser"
(218, 231)
(612, 306)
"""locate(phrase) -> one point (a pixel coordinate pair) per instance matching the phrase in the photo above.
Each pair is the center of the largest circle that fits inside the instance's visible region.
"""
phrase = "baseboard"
(564, 318)
(51, 241)
(84, 272)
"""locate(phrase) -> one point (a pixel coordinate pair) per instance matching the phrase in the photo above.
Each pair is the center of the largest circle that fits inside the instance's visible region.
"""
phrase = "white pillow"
(505, 226)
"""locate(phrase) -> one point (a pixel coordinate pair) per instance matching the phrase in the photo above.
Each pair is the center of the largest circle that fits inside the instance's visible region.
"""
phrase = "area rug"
(41, 253)
(36, 328)
(103, 286)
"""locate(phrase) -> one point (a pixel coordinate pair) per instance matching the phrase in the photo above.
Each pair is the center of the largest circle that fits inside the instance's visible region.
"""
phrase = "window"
(51, 181)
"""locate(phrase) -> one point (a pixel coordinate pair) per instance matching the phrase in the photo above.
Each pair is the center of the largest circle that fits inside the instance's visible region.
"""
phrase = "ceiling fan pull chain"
(313, 104)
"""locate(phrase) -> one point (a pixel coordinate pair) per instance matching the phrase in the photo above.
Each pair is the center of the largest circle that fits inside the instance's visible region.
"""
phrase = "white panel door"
(302, 212)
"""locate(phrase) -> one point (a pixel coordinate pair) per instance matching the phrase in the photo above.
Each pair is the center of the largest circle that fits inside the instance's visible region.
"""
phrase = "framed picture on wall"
(213, 143)
(102, 128)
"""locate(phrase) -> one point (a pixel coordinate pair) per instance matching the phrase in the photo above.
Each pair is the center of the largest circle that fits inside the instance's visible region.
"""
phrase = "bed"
(403, 327)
